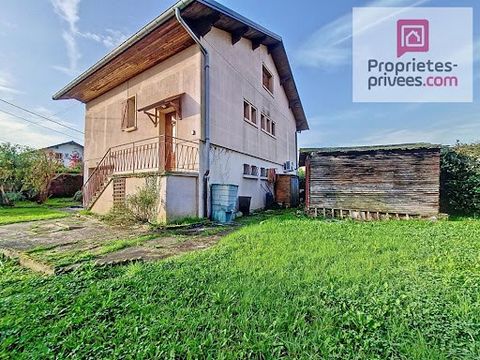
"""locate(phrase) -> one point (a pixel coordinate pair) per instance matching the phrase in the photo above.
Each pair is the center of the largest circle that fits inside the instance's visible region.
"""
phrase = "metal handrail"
(159, 153)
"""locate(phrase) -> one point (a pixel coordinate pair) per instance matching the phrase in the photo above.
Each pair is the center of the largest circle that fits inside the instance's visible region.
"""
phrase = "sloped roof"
(164, 37)
(304, 152)
(64, 143)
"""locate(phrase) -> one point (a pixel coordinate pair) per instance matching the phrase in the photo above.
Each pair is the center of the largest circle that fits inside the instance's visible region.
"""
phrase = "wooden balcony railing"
(162, 154)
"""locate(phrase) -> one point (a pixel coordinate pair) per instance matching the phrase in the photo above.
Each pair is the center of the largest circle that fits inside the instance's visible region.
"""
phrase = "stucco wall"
(236, 74)
(177, 196)
(178, 74)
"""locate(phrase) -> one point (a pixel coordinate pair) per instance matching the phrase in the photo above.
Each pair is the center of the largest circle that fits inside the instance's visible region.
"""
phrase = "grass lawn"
(284, 286)
(30, 211)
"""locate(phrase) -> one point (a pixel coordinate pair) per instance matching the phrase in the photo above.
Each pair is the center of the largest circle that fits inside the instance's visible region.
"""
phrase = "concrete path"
(55, 246)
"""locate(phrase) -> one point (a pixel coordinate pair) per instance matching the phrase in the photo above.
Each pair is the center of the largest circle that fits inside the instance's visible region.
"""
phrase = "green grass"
(31, 211)
(286, 286)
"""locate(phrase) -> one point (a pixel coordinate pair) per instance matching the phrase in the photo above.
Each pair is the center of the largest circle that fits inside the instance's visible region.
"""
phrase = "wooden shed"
(375, 180)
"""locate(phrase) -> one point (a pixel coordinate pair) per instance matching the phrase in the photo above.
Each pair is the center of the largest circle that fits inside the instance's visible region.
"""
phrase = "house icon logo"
(412, 36)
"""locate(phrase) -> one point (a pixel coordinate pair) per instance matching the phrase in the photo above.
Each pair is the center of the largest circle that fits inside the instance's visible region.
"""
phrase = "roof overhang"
(165, 37)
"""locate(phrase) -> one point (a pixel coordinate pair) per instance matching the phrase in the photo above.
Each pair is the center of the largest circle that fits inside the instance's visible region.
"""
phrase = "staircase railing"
(161, 153)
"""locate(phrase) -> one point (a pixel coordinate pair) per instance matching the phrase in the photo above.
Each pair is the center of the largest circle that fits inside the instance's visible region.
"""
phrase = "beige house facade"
(199, 96)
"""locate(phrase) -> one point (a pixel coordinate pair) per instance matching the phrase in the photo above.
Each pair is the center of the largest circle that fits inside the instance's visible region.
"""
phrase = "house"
(373, 180)
(69, 153)
(199, 96)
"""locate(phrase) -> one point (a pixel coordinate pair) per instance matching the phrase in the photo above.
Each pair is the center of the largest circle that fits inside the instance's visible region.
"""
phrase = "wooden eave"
(167, 38)
(157, 46)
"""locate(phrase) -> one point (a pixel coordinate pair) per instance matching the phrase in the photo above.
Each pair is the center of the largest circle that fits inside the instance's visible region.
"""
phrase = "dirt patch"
(57, 246)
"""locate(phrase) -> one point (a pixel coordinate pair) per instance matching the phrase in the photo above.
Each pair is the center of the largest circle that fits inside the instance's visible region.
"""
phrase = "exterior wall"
(179, 74)
(67, 150)
(227, 168)
(401, 181)
(235, 75)
(176, 75)
(171, 206)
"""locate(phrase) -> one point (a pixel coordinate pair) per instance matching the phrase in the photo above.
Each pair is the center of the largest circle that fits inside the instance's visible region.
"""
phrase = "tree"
(12, 170)
(42, 169)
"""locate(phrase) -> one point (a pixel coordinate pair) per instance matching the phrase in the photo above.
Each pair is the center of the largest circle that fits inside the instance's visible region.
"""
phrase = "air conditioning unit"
(288, 166)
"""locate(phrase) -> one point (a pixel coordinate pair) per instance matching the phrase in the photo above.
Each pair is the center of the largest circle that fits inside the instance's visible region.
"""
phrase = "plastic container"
(244, 204)
(224, 202)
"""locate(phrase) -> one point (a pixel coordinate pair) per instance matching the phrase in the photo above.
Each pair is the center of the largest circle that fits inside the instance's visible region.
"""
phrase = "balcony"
(161, 154)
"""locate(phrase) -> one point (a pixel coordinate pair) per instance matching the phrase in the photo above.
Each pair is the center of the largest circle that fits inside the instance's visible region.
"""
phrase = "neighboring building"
(201, 95)
(394, 179)
(70, 153)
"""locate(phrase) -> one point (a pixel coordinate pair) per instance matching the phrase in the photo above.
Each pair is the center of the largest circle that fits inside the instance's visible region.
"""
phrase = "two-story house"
(200, 95)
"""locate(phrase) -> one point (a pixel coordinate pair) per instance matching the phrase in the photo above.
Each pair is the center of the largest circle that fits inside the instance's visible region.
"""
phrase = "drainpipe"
(206, 105)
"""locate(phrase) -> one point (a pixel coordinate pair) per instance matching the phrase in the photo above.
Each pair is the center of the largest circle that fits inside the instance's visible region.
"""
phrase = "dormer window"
(267, 79)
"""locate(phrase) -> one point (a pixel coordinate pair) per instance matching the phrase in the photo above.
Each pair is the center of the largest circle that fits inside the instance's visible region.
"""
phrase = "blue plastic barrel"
(224, 202)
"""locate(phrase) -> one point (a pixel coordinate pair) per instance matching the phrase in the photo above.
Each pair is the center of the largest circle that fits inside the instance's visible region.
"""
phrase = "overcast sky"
(45, 44)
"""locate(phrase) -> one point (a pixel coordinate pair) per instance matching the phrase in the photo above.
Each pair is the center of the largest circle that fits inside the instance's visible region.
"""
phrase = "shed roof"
(164, 37)
(304, 152)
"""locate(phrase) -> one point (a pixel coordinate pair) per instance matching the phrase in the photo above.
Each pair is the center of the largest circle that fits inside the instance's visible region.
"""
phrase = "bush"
(460, 180)
(143, 204)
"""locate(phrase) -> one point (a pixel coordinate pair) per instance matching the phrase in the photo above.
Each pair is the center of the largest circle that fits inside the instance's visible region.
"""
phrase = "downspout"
(206, 105)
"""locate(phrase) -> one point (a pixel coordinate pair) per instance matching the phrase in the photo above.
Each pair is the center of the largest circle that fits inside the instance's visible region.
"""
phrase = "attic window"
(129, 119)
(267, 79)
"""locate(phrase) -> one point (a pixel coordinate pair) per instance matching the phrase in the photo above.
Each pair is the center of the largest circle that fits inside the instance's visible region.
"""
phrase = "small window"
(268, 125)
(246, 110)
(254, 170)
(246, 169)
(263, 172)
(129, 120)
(249, 112)
(267, 79)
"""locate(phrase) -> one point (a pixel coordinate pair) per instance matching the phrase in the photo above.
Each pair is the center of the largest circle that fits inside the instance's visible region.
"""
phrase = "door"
(170, 141)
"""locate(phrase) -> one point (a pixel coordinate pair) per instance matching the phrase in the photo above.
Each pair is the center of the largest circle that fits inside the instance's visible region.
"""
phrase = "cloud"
(6, 84)
(68, 10)
(72, 53)
(20, 132)
(330, 45)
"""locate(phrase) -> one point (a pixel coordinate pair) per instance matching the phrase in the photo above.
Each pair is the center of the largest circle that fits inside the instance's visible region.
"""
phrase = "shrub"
(460, 180)
(143, 204)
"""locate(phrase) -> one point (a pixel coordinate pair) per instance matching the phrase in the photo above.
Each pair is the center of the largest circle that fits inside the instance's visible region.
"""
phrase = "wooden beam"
(237, 34)
(203, 25)
(273, 47)
(257, 42)
(284, 79)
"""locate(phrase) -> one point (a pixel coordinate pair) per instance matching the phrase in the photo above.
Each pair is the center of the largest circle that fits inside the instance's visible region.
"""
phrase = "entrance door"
(170, 141)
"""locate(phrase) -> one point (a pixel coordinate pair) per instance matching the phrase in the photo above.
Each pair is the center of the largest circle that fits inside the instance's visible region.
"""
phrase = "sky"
(44, 44)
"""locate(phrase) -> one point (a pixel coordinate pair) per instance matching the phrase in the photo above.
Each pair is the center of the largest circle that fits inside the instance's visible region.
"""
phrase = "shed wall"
(386, 181)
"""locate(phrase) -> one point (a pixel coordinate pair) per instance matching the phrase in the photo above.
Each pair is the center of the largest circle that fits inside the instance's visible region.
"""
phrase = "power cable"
(41, 116)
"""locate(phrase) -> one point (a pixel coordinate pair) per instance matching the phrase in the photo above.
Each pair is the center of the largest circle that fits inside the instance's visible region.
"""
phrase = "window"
(267, 79)
(254, 170)
(129, 119)
(249, 112)
(246, 169)
(267, 125)
(263, 172)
